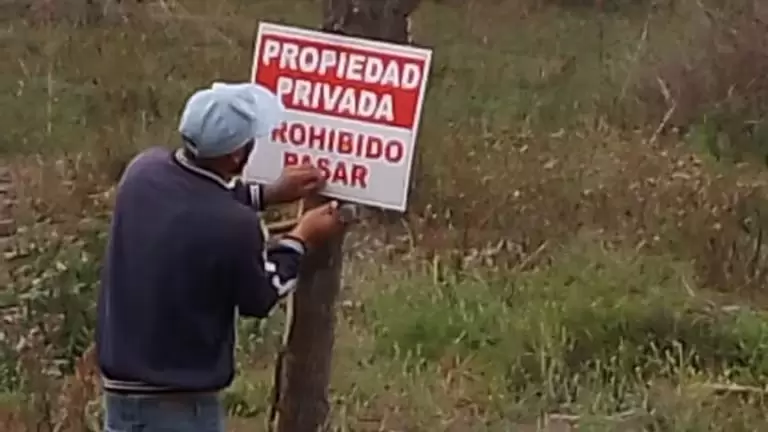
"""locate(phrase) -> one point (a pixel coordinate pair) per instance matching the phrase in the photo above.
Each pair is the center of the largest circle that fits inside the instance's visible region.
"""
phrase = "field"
(584, 248)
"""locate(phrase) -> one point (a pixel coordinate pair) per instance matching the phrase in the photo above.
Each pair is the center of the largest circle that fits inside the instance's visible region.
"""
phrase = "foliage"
(591, 309)
(714, 87)
(553, 259)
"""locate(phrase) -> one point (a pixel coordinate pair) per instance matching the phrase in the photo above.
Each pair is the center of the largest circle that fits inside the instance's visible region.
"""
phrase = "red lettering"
(394, 151)
(331, 140)
(323, 163)
(340, 174)
(290, 159)
(345, 142)
(278, 134)
(325, 141)
(317, 137)
(297, 134)
(359, 176)
(359, 146)
(373, 149)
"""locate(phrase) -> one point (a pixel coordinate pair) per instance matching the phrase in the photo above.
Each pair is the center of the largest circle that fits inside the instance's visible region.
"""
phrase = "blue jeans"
(163, 413)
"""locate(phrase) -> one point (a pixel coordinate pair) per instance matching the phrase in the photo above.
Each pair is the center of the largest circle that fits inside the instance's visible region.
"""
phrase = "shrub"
(716, 89)
(620, 316)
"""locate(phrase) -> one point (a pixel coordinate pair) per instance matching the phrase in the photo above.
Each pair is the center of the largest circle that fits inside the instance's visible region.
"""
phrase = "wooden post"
(7, 223)
(304, 371)
(385, 20)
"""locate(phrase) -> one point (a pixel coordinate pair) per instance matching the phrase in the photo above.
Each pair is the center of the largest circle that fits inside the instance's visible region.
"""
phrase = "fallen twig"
(281, 227)
(724, 389)
(574, 418)
(531, 258)
(663, 123)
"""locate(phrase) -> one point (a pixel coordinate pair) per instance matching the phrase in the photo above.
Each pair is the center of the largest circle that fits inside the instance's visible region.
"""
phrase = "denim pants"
(163, 413)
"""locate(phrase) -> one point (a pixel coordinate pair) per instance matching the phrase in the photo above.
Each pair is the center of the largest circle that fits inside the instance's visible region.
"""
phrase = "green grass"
(438, 329)
(78, 84)
(593, 334)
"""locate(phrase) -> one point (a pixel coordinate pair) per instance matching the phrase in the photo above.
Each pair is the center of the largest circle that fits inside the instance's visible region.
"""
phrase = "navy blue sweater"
(185, 252)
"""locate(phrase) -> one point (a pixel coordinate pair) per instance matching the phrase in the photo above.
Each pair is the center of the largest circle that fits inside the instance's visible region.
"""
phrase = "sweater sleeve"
(249, 194)
(262, 277)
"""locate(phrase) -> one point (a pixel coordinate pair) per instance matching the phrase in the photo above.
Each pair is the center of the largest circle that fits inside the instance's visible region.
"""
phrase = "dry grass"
(550, 262)
(713, 85)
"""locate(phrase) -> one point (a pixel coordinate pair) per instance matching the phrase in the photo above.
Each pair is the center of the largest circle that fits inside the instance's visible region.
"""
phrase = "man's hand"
(319, 224)
(295, 182)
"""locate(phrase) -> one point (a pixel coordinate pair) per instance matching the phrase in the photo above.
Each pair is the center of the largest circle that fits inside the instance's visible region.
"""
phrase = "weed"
(556, 266)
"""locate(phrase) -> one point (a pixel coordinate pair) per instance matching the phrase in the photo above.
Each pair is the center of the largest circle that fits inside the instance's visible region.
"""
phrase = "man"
(186, 251)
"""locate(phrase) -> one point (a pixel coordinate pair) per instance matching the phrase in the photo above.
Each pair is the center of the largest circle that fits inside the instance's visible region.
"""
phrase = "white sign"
(353, 108)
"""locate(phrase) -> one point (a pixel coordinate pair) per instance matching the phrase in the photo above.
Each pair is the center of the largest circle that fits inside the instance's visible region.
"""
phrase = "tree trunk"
(7, 224)
(304, 371)
(385, 20)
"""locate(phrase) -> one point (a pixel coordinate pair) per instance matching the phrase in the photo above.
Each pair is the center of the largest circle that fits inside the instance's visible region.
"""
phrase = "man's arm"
(262, 278)
(251, 194)
(295, 182)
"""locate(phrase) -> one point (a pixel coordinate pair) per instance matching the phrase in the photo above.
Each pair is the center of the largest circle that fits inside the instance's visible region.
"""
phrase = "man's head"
(220, 125)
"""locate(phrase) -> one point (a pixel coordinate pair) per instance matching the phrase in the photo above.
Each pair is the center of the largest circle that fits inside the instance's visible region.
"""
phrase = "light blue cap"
(219, 120)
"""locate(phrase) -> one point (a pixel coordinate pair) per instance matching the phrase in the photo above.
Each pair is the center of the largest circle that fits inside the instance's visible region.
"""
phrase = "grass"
(591, 335)
(556, 268)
